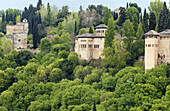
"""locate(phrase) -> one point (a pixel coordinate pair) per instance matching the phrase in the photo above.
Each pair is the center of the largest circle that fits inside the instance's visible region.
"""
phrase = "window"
(98, 31)
(146, 45)
(83, 40)
(152, 45)
(90, 46)
(96, 46)
(83, 45)
(19, 40)
(90, 40)
(149, 45)
(161, 38)
(156, 45)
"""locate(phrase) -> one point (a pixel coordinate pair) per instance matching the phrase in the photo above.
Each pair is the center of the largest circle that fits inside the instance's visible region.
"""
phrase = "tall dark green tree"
(163, 19)
(75, 28)
(39, 4)
(106, 15)
(3, 17)
(91, 30)
(49, 15)
(122, 16)
(152, 21)
(94, 106)
(35, 34)
(39, 18)
(127, 5)
(115, 16)
(145, 22)
(7, 16)
(110, 33)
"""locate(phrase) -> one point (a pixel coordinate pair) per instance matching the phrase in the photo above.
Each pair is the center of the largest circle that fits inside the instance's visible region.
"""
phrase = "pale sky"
(73, 4)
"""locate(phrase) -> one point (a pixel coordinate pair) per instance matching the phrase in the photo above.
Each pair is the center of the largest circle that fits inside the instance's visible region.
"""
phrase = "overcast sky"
(73, 4)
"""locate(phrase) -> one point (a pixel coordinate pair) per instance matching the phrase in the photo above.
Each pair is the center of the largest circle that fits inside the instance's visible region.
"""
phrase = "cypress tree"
(49, 15)
(75, 28)
(163, 19)
(152, 21)
(127, 5)
(39, 4)
(7, 16)
(94, 106)
(106, 15)
(35, 34)
(110, 33)
(115, 16)
(3, 17)
(145, 22)
(39, 18)
(91, 30)
(168, 26)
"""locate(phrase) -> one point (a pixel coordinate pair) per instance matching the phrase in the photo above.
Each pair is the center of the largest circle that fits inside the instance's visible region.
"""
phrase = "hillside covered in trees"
(56, 80)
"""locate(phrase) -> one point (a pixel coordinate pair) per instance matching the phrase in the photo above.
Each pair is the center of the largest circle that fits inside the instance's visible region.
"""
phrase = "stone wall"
(19, 32)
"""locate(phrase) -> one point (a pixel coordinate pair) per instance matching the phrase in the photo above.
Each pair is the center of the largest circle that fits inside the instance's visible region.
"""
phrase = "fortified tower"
(151, 49)
(18, 34)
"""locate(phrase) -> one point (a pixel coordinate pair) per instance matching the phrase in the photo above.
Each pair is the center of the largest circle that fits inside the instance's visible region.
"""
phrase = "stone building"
(157, 48)
(117, 11)
(90, 46)
(18, 34)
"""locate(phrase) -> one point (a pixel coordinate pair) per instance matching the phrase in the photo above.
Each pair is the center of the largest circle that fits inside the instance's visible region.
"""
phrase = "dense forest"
(56, 80)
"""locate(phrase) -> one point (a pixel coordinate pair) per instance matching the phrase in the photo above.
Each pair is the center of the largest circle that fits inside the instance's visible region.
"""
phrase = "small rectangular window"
(83, 45)
(90, 40)
(146, 45)
(152, 45)
(90, 46)
(96, 46)
(149, 45)
(156, 45)
(83, 40)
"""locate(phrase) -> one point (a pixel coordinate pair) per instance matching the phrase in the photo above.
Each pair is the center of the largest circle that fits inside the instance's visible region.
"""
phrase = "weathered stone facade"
(90, 46)
(157, 48)
(18, 34)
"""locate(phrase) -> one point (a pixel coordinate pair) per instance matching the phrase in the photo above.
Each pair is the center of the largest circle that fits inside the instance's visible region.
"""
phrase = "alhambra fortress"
(90, 46)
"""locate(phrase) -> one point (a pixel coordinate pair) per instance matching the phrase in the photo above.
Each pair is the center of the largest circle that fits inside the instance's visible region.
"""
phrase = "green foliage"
(135, 22)
(115, 57)
(45, 45)
(110, 33)
(49, 15)
(55, 79)
(18, 19)
(145, 22)
(106, 15)
(128, 29)
(7, 46)
(163, 19)
(156, 7)
(83, 31)
(152, 21)
(130, 12)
